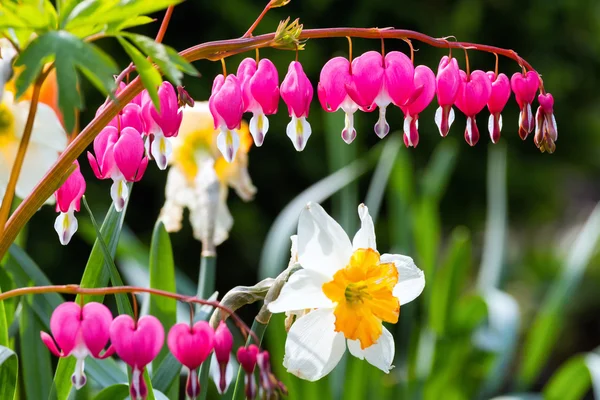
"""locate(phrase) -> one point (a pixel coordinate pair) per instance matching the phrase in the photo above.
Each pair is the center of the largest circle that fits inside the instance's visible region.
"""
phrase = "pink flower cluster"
(373, 81)
(85, 331)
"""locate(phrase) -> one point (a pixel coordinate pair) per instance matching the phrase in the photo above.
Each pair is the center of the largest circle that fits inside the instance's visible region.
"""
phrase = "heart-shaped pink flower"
(137, 344)
(424, 90)
(498, 99)
(247, 357)
(473, 95)
(68, 199)
(546, 131)
(525, 86)
(447, 85)
(226, 106)
(297, 93)
(79, 332)
(223, 343)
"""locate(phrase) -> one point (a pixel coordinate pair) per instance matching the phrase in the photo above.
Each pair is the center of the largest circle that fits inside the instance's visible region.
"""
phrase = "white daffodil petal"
(47, 129)
(304, 289)
(322, 243)
(365, 237)
(38, 160)
(380, 354)
(411, 280)
(313, 348)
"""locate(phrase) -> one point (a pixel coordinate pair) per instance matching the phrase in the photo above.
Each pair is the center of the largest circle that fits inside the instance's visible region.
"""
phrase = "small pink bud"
(79, 332)
(498, 99)
(473, 95)
(68, 198)
(297, 93)
(191, 346)
(447, 83)
(424, 90)
(333, 95)
(546, 131)
(247, 359)
(137, 344)
(525, 87)
(226, 107)
(223, 343)
(260, 94)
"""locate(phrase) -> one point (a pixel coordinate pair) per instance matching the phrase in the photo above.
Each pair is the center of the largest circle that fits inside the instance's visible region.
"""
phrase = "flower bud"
(223, 343)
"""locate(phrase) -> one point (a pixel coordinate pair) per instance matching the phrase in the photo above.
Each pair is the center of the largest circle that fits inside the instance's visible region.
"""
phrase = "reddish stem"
(258, 19)
(164, 24)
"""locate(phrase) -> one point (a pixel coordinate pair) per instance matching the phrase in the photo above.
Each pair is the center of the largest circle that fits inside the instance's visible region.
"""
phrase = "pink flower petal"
(128, 153)
(473, 93)
(71, 191)
(191, 346)
(525, 87)
(399, 73)
(367, 79)
(264, 86)
(424, 84)
(139, 344)
(447, 81)
(335, 75)
(95, 325)
(297, 91)
(65, 325)
(500, 92)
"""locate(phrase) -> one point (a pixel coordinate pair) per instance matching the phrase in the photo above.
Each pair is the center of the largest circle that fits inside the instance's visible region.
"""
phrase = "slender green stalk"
(206, 287)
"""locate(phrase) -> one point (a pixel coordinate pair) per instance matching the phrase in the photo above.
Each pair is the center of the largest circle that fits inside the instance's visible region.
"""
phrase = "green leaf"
(123, 304)
(96, 274)
(115, 392)
(70, 55)
(149, 75)
(469, 313)
(570, 382)
(40, 16)
(450, 280)
(544, 331)
(167, 372)
(35, 357)
(99, 12)
(163, 58)
(3, 325)
(9, 371)
(162, 276)
(118, 26)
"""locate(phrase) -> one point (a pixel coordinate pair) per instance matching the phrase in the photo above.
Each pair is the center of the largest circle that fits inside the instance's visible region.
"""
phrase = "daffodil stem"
(211, 51)
(16, 168)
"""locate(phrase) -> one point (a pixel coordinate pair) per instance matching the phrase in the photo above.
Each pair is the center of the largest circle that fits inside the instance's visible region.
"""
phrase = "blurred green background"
(548, 197)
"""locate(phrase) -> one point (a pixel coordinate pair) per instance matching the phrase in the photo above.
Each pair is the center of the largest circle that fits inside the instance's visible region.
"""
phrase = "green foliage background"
(548, 196)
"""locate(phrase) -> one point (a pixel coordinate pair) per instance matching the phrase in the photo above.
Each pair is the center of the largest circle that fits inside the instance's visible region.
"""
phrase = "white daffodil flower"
(200, 178)
(350, 290)
(48, 139)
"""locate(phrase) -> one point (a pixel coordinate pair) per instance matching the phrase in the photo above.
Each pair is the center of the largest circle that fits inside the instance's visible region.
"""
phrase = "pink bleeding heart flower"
(546, 132)
(191, 346)
(159, 126)
(223, 343)
(473, 95)
(498, 99)
(119, 157)
(226, 106)
(68, 199)
(130, 115)
(525, 86)
(79, 332)
(333, 95)
(297, 93)
(424, 90)
(379, 82)
(271, 386)
(247, 359)
(137, 344)
(448, 83)
(260, 94)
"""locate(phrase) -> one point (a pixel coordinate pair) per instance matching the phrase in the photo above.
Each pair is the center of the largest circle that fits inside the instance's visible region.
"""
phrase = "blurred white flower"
(199, 177)
(350, 290)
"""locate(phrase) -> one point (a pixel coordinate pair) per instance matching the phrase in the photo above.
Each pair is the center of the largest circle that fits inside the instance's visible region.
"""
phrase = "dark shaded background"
(547, 194)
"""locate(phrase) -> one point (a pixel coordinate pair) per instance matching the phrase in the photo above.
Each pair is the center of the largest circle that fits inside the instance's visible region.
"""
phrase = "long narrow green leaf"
(149, 75)
(570, 382)
(123, 304)
(96, 274)
(115, 392)
(9, 371)
(547, 324)
(162, 276)
(3, 325)
(35, 357)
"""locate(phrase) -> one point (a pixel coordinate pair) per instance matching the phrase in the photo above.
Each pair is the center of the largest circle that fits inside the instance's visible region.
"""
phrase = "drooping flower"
(68, 199)
(79, 332)
(473, 95)
(48, 139)
(128, 116)
(447, 83)
(137, 344)
(379, 82)
(333, 95)
(160, 126)
(350, 289)
(525, 86)
(226, 106)
(424, 90)
(297, 93)
(498, 99)
(247, 359)
(270, 385)
(196, 165)
(119, 156)
(191, 345)
(223, 343)
(546, 132)
(260, 94)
